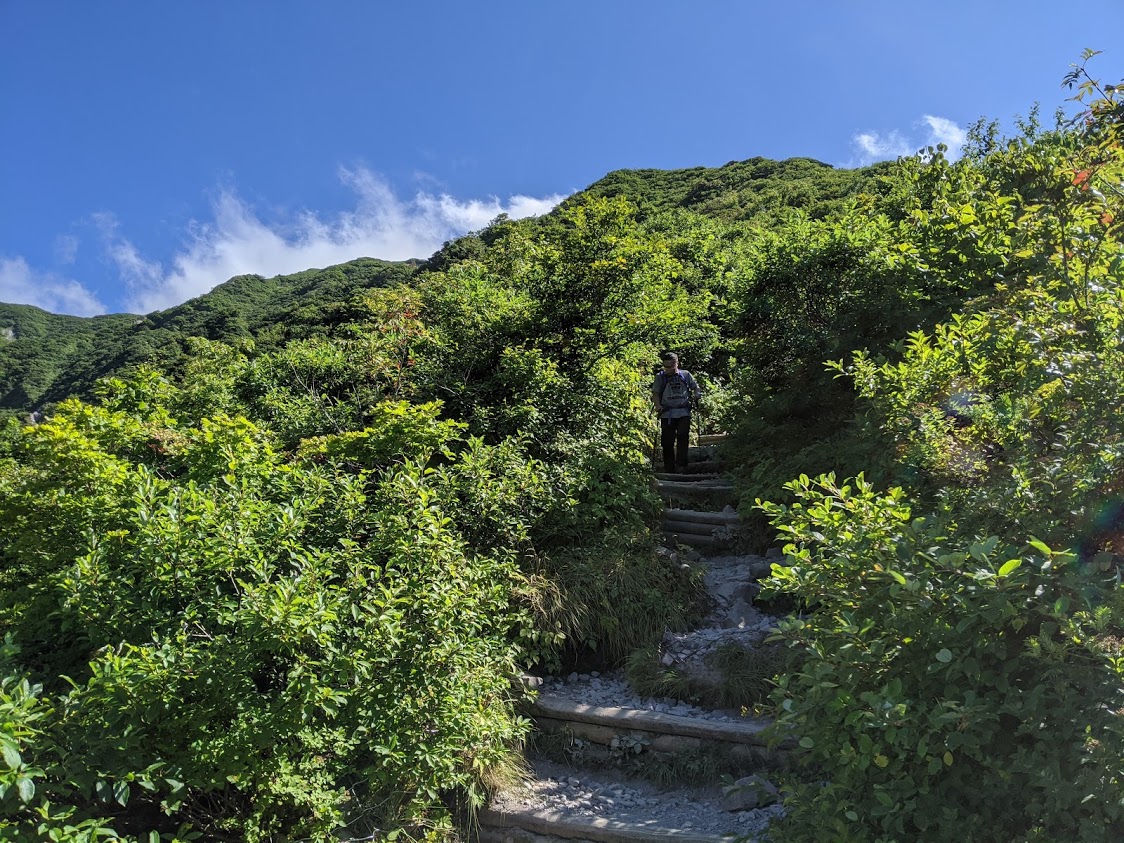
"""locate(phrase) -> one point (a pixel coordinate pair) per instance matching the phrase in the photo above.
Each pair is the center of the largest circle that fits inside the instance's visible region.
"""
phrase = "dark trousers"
(674, 434)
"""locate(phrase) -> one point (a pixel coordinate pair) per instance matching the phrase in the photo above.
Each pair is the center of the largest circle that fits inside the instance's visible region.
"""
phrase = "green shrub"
(255, 647)
(616, 595)
(943, 683)
(736, 676)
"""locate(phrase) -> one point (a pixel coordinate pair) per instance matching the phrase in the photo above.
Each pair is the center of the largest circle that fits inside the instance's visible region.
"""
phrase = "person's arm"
(656, 392)
(696, 393)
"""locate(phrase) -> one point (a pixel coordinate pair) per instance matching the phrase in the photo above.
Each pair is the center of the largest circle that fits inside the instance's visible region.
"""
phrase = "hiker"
(674, 392)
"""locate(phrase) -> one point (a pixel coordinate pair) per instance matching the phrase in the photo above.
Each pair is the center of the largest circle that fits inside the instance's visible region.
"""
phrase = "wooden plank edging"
(625, 719)
(596, 829)
(718, 519)
(711, 439)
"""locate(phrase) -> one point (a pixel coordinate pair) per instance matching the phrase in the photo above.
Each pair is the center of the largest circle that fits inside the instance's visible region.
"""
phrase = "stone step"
(707, 464)
(700, 453)
(718, 519)
(606, 804)
(530, 826)
(698, 460)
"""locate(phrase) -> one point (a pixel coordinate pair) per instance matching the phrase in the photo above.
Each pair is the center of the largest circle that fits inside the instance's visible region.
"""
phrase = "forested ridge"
(61, 356)
(273, 560)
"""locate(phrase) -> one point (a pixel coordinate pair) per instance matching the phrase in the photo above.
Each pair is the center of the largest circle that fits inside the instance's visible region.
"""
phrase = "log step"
(695, 540)
(713, 438)
(719, 519)
(527, 826)
(656, 722)
(702, 487)
(693, 528)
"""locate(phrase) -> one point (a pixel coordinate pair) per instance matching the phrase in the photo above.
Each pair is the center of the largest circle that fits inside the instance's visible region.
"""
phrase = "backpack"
(676, 394)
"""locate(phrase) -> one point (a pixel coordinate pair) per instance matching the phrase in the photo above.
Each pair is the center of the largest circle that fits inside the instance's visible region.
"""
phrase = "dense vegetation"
(962, 665)
(274, 573)
(45, 358)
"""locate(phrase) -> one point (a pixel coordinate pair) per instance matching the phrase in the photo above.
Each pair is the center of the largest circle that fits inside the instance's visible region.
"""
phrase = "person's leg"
(682, 442)
(667, 442)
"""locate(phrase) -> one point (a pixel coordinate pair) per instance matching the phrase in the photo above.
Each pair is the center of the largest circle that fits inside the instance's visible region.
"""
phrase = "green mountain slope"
(45, 357)
(742, 190)
(37, 347)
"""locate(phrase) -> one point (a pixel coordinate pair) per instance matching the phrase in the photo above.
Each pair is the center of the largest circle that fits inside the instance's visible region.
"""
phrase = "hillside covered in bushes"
(273, 560)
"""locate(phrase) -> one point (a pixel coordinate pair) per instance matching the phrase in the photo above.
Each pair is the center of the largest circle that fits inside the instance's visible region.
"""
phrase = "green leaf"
(897, 577)
(807, 742)
(11, 753)
(944, 656)
(26, 788)
(981, 550)
(1009, 566)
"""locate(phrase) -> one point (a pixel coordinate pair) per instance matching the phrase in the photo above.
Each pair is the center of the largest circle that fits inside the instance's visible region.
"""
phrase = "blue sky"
(153, 150)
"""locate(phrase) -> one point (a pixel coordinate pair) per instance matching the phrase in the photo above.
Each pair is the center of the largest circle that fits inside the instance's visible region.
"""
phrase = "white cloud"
(943, 130)
(875, 147)
(20, 284)
(236, 241)
(872, 146)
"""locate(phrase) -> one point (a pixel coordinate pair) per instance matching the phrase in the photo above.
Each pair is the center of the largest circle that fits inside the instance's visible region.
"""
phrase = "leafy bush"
(256, 647)
(943, 683)
(957, 659)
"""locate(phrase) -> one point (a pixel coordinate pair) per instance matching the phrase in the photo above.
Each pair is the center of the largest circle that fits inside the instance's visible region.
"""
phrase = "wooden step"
(529, 826)
(674, 488)
(619, 720)
(713, 438)
(692, 477)
(662, 733)
(695, 540)
(719, 519)
(694, 528)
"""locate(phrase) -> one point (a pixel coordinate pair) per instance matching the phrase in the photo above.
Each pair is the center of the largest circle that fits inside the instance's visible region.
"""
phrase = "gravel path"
(612, 690)
(730, 581)
(590, 794)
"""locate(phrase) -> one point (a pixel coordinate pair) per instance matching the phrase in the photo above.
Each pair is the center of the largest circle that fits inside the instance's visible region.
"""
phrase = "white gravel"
(591, 794)
(729, 580)
(587, 794)
(612, 690)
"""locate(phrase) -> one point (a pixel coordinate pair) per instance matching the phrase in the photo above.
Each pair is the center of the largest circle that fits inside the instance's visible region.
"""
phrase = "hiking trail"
(610, 765)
